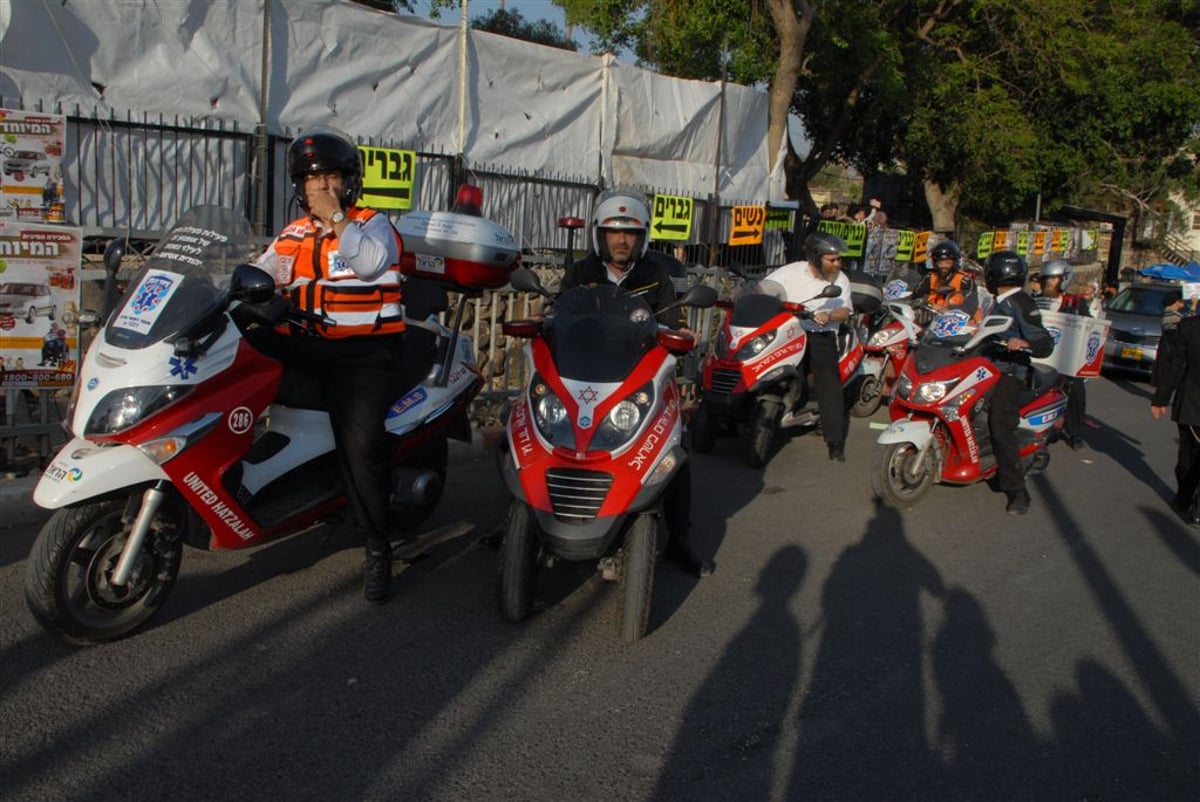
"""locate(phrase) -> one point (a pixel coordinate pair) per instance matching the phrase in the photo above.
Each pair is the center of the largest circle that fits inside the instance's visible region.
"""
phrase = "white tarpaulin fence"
(389, 78)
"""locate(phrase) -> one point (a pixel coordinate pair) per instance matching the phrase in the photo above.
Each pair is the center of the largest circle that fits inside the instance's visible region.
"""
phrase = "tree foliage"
(991, 103)
(512, 24)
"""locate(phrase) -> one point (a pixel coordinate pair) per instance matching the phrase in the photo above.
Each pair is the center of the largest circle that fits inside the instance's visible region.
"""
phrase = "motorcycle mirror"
(250, 284)
(676, 342)
(525, 280)
(700, 295)
(114, 253)
(830, 291)
(89, 317)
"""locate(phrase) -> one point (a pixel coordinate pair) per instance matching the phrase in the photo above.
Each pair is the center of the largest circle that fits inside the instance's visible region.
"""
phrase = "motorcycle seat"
(1042, 378)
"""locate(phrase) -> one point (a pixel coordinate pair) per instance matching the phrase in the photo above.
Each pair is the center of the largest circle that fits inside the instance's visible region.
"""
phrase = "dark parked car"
(1136, 316)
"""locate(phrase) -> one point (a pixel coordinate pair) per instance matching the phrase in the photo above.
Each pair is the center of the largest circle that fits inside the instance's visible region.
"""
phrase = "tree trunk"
(943, 205)
(793, 21)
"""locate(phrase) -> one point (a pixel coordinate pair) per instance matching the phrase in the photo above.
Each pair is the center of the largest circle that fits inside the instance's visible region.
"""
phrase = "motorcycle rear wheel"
(870, 396)
(518, 566)
(637, 577)
(762, 433)
(67, 575)
(704, 429)
(891, 479)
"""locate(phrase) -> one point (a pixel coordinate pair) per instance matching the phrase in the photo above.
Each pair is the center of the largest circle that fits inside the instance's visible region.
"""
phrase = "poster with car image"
(31, 176)
(39, 304)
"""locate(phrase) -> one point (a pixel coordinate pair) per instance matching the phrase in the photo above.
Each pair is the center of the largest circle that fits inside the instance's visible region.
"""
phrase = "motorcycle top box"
(460, 249)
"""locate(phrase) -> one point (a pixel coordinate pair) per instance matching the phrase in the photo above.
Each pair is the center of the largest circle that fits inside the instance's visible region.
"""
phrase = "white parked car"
(20, 299)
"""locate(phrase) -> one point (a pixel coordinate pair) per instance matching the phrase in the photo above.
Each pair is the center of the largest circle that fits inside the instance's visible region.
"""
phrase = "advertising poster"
(1078, 344)
(31, 177)
(39, 304)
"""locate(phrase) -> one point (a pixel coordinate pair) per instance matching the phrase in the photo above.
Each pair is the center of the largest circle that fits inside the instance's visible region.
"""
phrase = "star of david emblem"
(182, 367)
(588, 396)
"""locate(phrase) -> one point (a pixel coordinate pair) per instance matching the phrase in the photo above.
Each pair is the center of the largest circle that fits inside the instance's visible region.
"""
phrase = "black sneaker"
(1018, 502)
(377, 579)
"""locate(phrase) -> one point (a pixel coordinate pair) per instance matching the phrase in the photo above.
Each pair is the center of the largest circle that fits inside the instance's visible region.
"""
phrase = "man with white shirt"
(803, 282)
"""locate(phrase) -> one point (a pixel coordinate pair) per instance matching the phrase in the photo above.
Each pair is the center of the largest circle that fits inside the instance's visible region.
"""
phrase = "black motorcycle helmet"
(1004, 269)
(821, 243)
(323, 148)
(946, 249)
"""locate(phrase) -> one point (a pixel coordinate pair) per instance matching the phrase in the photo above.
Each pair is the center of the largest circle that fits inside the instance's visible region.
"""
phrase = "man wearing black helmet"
(341, 261)
(1005, 277)
(804, 281)
(947, 284)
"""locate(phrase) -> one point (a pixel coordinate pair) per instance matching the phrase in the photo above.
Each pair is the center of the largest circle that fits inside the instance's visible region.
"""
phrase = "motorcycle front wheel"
(517, 581)
(762, 433)
(68, 573)
(869, 397)
(637, 577)
(892, 477)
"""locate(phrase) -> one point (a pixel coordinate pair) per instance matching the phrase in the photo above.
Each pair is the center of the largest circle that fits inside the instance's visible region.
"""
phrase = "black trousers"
(358, 379)
(1076, 392)
(1002, 424)
(827, 385)
(1187, 467)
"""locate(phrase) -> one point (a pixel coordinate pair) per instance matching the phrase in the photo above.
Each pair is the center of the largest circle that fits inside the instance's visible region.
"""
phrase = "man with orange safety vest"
(947, 284)
(341, 262)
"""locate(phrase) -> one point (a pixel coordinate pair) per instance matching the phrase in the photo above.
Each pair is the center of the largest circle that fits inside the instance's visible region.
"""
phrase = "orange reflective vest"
(313, 275)
(960, 282)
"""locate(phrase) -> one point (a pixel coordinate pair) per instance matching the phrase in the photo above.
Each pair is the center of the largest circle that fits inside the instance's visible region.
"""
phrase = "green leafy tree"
(512, 24)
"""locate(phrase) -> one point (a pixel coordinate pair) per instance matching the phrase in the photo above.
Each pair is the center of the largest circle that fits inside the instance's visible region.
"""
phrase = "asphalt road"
(840, 651)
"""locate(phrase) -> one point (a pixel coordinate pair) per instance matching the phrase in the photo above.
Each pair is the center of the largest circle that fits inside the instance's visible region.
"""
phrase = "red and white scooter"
(939, 429)
(886, 346)
(177, 438)
(593, 458)
(755, 381)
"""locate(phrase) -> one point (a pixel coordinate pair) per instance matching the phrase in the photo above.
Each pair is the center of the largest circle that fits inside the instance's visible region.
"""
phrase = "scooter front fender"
(83, 470)
(917, 432)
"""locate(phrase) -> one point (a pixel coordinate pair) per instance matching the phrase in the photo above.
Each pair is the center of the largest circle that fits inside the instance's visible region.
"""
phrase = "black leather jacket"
(1027, 325)
(650, 277)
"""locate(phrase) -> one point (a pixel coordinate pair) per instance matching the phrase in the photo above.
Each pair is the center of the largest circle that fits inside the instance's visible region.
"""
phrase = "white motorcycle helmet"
(620, 210)
(1057, 267)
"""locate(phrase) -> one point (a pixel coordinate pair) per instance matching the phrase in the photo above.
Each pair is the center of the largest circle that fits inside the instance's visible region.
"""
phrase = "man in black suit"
(1179, 376)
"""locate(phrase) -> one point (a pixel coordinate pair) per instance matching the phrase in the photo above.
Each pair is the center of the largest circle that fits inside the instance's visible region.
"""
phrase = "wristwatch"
(337, 217)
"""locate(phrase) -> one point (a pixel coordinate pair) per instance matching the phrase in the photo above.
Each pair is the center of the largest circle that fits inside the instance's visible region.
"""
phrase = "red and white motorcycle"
(939, 430)
(593, 458)
(886, 345)
(755, 381)
(178, 439)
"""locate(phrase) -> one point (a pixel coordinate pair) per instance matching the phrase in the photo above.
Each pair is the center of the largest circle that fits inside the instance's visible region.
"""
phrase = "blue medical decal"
(895, 289)
(183, 367)
(93, 383)
(416, 396)
(585, 422)
(950, 324)
(982, 373)
(1048, 416)
(1094, 342)
(150, 294)
(1055, 333)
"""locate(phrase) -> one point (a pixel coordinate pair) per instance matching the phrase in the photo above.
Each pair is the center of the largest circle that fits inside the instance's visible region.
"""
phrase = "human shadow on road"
(991, 749)
(862, 721)
(1107, 710)
(1176, 536)
(737, 715)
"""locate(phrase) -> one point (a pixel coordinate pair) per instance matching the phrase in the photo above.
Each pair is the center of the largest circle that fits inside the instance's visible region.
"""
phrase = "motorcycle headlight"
(550, 415)
(879, 338)
(624, 420)
(755, 346)
(904, 386)
(126, 407)
(932, 392)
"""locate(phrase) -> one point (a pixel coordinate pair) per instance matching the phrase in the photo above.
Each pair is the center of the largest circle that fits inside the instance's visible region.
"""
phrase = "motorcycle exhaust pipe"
(415, 486)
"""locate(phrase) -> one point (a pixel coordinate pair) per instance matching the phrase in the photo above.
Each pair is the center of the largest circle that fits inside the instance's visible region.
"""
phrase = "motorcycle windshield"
(756, 303)
(599, 334)
(183, 282)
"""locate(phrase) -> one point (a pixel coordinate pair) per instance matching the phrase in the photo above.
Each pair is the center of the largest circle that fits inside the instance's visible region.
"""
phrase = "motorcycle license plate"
(1131, 353)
